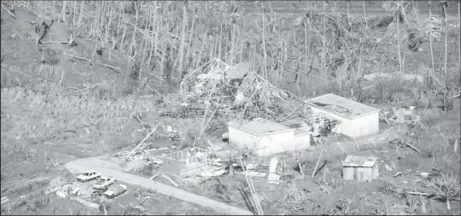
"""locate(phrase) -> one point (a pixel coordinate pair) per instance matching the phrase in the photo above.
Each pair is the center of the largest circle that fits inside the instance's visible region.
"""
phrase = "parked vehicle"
(115, 191)
(103, 183)
(88, 176)
(98, 192)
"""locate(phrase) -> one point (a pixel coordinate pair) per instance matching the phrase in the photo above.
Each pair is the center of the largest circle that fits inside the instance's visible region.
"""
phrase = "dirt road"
(113, 170)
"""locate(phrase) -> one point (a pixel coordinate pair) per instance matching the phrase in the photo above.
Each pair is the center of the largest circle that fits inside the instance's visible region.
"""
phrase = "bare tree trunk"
(347, 8)
(264, 46)
(397, 19)
(324, 48)
(190, 50)
(63, 12)
(364, 14)
(459, 35)
(306, 49)
(444, 10)
(81, 13)
(416, 11)
(431, 47)
(183, 38)
(75, 12)
(241, 38)
(220, 38)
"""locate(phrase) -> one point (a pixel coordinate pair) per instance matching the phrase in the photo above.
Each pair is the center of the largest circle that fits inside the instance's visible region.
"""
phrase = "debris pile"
(402, 115)
(187, 161)
(400, 144)
(231, 88)
(435, 26)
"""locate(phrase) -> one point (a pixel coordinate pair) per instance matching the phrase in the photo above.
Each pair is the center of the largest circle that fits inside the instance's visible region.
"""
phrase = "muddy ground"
(56, 109)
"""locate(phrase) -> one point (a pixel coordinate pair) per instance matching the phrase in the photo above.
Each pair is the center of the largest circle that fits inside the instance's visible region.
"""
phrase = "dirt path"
(113, 170)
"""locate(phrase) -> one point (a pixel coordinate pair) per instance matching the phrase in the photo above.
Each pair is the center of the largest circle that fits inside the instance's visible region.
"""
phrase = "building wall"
(361, 174)
(365, 125)
(362, 126)
(276, 143)
(365, 174)
(264, 145)
(242, 139)
(302, 141)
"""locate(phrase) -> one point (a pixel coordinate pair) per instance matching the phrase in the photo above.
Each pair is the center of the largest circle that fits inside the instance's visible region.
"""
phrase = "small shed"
(265, 137)
(355, 119)
(360, 168)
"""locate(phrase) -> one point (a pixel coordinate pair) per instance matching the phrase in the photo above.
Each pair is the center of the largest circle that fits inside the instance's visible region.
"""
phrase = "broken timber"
(81, 165)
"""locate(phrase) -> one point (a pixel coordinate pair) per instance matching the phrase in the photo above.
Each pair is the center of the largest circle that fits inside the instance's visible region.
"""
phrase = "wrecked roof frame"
(213, 82)
(187, 161)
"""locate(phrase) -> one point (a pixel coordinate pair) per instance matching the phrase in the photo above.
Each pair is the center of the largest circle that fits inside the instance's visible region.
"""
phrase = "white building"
(266, 137)
(356, 119)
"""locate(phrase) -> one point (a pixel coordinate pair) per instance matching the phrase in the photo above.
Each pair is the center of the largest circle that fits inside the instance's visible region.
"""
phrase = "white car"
(103, 182)
(115, 191)
(88, 176)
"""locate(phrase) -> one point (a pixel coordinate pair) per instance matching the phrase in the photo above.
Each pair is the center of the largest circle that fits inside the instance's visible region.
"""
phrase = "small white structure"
(360, 168)
(356, 119)
(266, 137)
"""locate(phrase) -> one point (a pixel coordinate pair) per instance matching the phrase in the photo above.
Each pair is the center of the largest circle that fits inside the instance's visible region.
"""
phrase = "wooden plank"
(98, 165)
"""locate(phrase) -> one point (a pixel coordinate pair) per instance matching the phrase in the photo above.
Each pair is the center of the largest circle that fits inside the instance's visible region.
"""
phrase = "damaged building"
(324, 114)
(355, 119)
(265, 137)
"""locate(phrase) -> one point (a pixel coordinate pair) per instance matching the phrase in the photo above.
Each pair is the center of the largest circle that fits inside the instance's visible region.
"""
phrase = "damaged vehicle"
(115, 191)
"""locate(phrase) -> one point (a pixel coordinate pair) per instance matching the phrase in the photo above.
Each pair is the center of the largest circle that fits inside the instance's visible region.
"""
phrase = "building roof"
(341, 106)
(295, 123)
(260, 126)
(360, 161)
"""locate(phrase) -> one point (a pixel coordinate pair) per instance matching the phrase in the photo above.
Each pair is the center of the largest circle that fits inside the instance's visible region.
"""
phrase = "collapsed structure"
(215, 82)
(241, 93)
(187, 162)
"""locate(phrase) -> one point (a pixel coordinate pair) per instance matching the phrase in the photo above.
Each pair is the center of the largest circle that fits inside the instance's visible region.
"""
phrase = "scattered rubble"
(70, 190)
(231, 89)
(434, 26)
(398, 143)
(429, 175)
(310, 122)
(187, 162)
